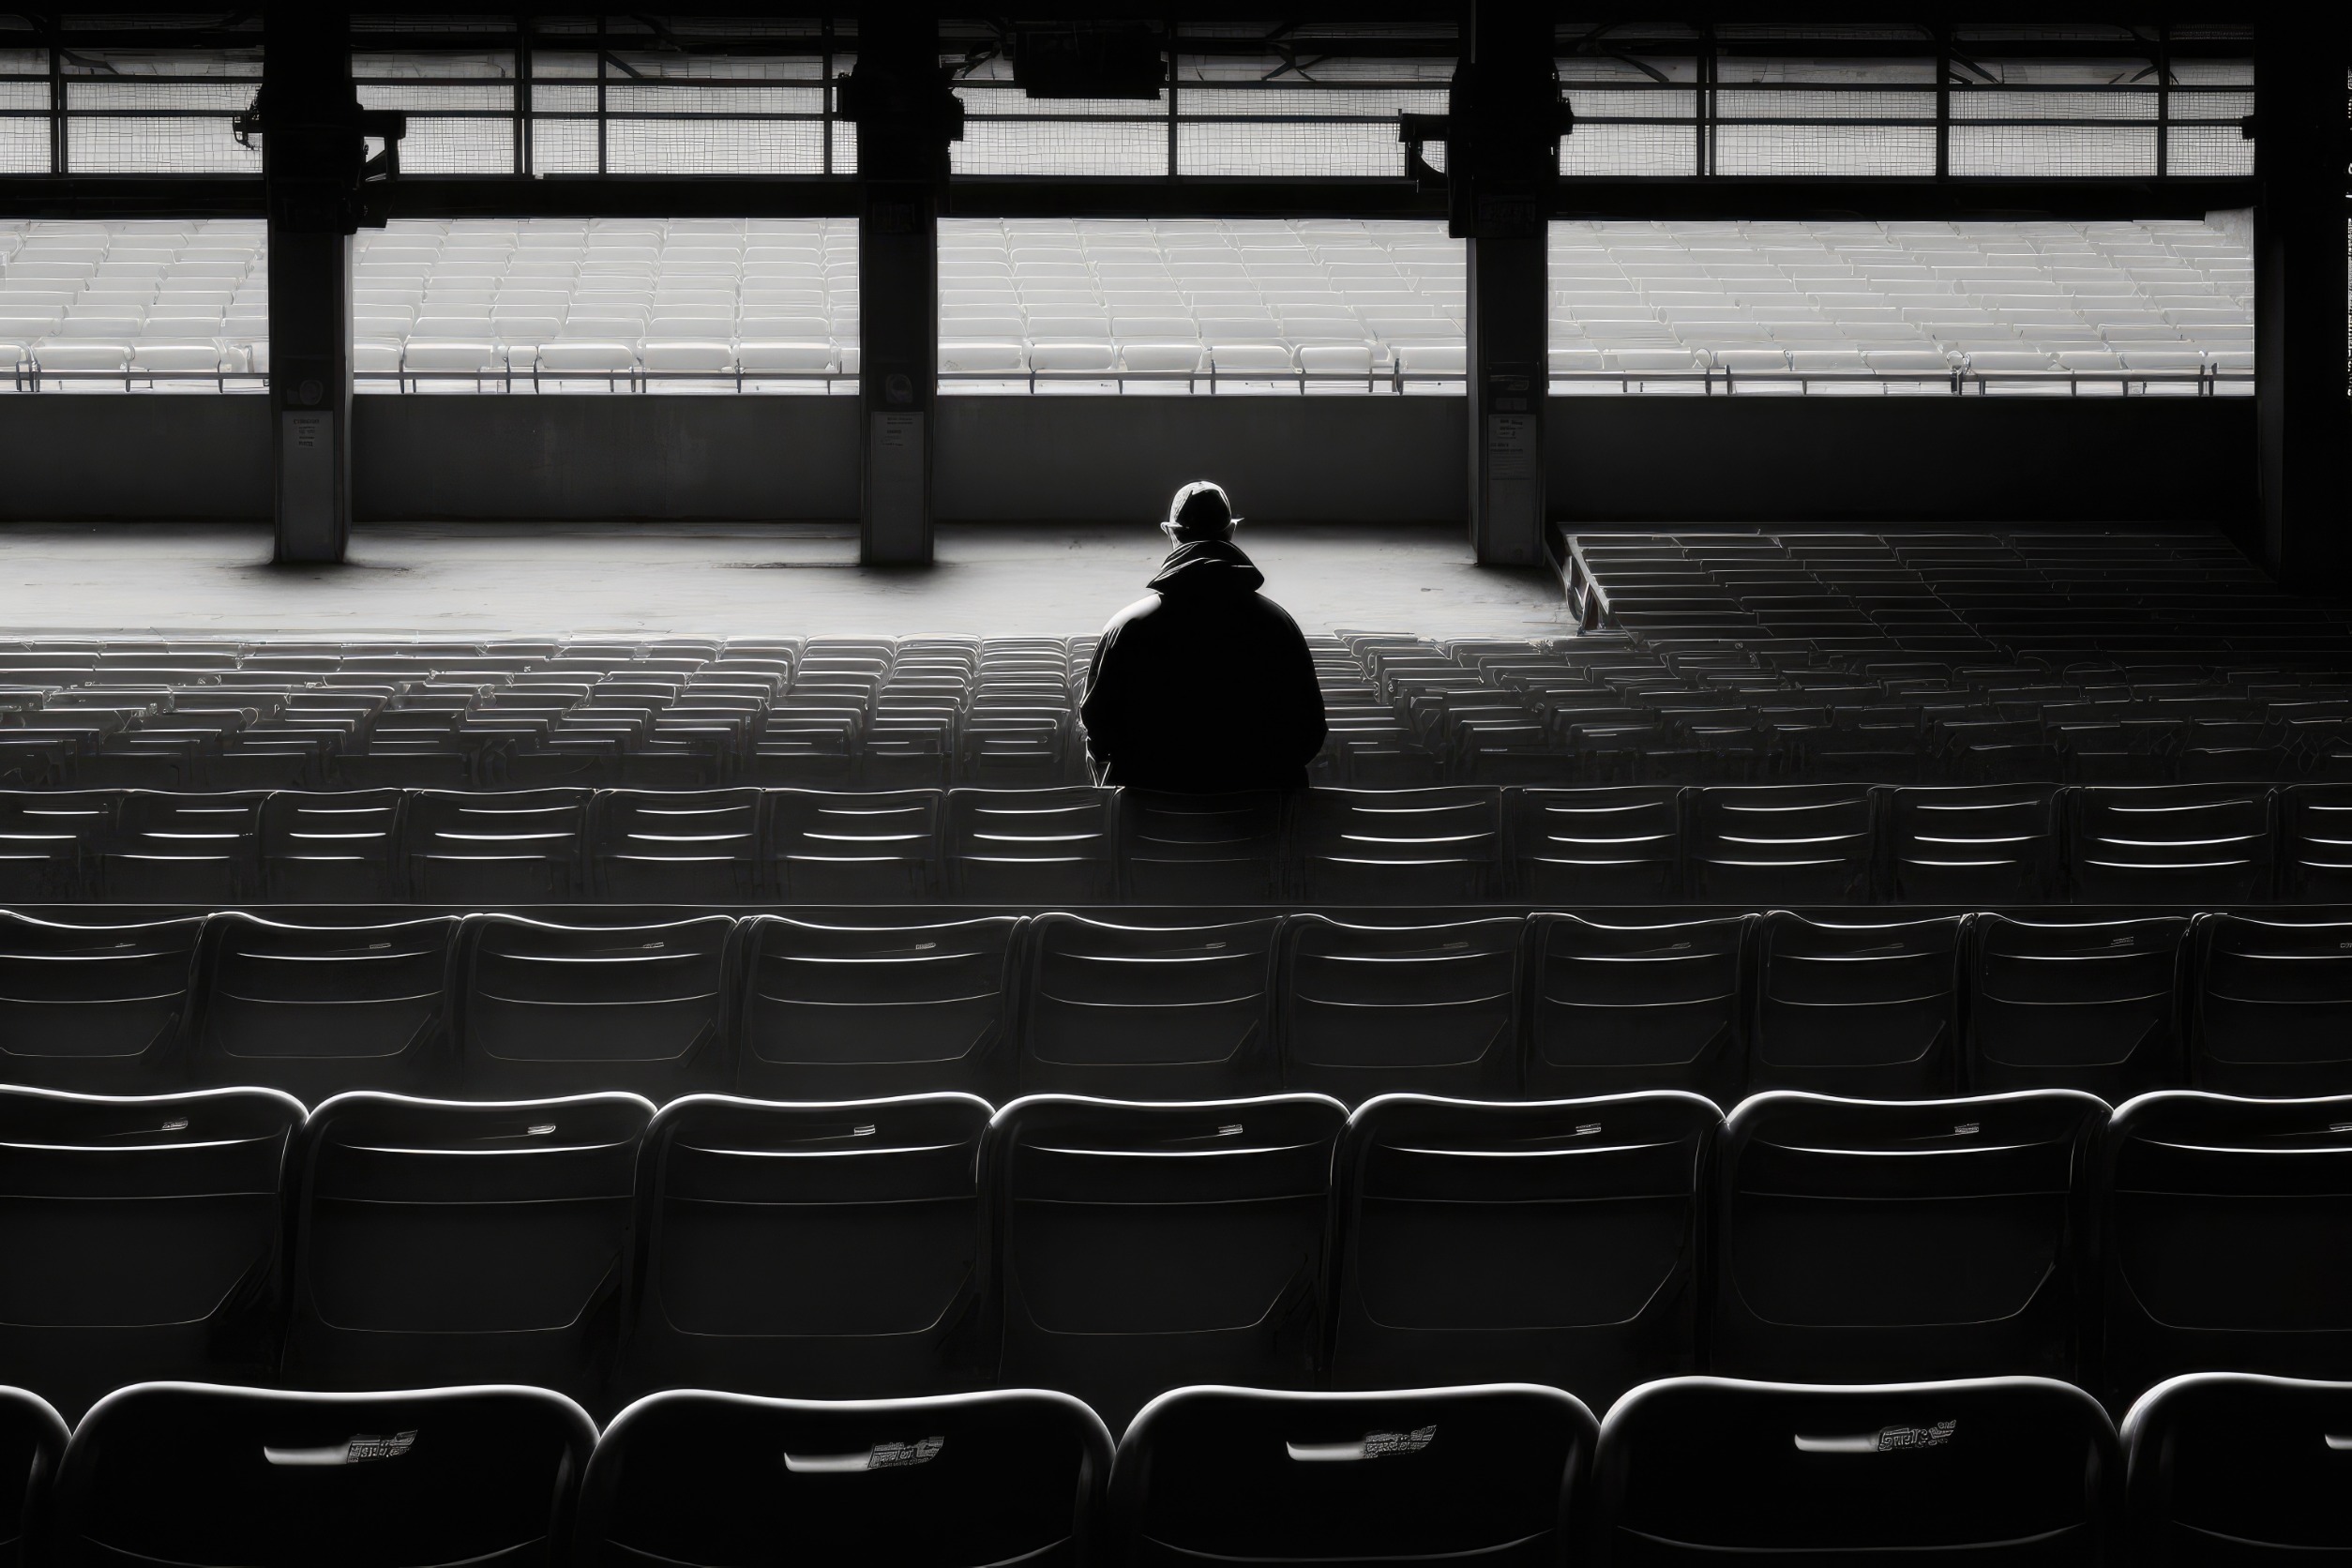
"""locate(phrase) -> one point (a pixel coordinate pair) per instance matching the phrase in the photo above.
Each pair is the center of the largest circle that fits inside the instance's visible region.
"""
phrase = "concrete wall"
(1883, 462)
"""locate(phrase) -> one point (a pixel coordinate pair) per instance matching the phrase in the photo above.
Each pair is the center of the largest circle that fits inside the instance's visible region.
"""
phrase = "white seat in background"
(799, 356)
(688, 355)
(1162, 358)
(581, 356)
(1002, 357)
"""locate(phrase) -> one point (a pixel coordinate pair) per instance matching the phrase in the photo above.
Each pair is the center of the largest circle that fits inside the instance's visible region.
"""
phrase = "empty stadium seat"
(1781, 844)
(2185, 843)
(1614, 1008)
(545, 1009)
(435, 1241)
(1982, 1472)
(49, 841)
(32, 1442)
(876, 848)
(1438, 846)
(2225, 1467)
(144, 1238)
(484, 1475)
(104, 1009)
(2268, 1005)
(2316, 857)
(1033, 846)
(2223, 1234)
(692, 847)
(1367, 1010)
(1876, 1241)
(1202, 849)
(817, 1250)
(1008, 1477)
(318, 1010)
(1597, 845)
(184, 849)
(520, 847)
(1149, 1013)
(857, 1012)
(2094, 1006)
(1491, 1474)
(1555, 1241)
(340, 847)
(1973, 844)
(1134, 1248)
(1869, 1010)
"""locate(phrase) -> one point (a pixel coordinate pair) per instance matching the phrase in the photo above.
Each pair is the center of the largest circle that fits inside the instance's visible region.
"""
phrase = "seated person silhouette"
(1204, 686)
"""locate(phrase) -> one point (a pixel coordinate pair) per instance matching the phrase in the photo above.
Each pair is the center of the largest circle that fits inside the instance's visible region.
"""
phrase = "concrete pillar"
(2300, 151)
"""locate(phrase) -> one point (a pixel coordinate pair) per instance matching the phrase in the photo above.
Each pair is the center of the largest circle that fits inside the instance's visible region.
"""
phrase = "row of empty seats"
(1115, 1249)
(1538, 1006)
(1685, 1470)
(1794, 844)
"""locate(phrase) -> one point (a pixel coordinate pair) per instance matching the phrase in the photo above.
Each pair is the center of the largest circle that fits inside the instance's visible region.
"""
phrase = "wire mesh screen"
(25, 111)
(156, 111)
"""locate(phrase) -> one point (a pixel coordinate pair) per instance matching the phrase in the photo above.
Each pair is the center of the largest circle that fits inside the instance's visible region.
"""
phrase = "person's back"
(1205, 686)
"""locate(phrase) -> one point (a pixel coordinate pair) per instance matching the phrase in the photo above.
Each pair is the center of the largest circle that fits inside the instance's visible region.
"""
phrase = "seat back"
(1134, 1248)
(1202, 849)
(340, 847)
(1597, 846)
(1990, 1470)
(50, 841)
(1555, 1241)
(682, 845)
(1980, 844)
(545, 1009)
(1866, 1242)
(444, 1242)
(1149, 1013)
(2268, 1005)
(1012, 1476)
(2212, 1210)
(515, 847)
(1033, 846)
(822, 1251)
(96, 1008)
(1614, 1008)
(1868, 1010)
(184, 849)
(143, 1237)
(1493, 1474)
(2171, 843)
(858, 1011)
(1433, 846)
(476, 1476)
(1781, 843)
(2315, 849)
(1369, 1010)
(315, 1010)
(32, 1442)
(2095, 1005)
(2229, 1467)
(832, 847)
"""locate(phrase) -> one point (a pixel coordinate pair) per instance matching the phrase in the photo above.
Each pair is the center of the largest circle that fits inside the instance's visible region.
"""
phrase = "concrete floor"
(723, 579)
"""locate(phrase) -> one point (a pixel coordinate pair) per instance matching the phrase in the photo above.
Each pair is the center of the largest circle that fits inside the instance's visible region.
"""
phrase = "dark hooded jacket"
(1204, 686)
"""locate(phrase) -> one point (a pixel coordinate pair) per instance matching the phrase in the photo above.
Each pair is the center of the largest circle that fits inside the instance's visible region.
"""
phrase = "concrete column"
(2300, 150)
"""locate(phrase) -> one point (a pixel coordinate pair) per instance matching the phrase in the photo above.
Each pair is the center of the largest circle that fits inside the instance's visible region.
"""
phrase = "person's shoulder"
(1273, 614)
(1144, 608)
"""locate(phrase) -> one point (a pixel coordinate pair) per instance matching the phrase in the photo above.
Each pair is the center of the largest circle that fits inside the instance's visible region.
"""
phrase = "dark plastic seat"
(1597, 846)
(2171, 844)
(1994, 1470)
(184, 849)
(545, 1009)
(32, 1443)
(2268, 1002)
(186, 1474)
(1135, 1248)
(675, 847)
(1867, 1242)
(1369, 1010)
(142, 1237)
(1493, 1474)
(2231, 1467)
(1434, 845)
(822, 1251)
(316, 1010)
(2224, 1235)
(50, 841)
(1615, 1008)
(834, 847)
(444, 1242)
(1973, 844)
(1033, 846)
(1783, 844)
(338, 846)
(1869, 1010)
(2092, 1005)
(514, 847)
(690, 1477)
(2315, 851)
(850, 1012)
(1202, 849)
(1149, 1013)
(1555, 1242)
(102, 1009)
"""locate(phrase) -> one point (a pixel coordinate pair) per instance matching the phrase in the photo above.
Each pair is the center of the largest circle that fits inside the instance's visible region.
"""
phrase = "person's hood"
(1208, 566)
